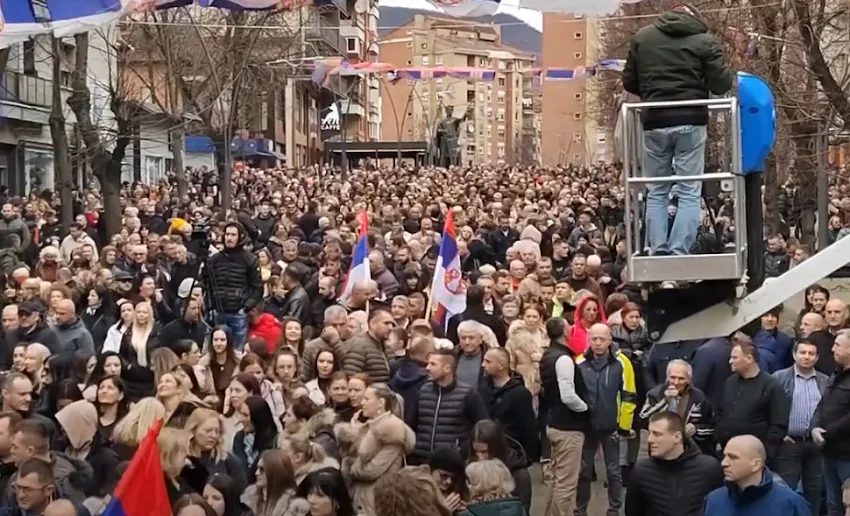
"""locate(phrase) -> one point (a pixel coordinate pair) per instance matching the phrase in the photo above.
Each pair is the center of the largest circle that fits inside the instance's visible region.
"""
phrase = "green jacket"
(675, 59)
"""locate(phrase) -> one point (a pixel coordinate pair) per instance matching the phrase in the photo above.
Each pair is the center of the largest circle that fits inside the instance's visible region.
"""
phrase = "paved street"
(599, 497)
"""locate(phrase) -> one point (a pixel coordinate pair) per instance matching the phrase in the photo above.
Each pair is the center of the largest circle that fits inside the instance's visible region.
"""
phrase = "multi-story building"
(494, 131)
(26, 146)
(569, 132)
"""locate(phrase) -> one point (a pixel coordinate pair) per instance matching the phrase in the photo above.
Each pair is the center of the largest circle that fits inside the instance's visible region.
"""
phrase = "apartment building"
(569, 134)
(26, 146)
(501, 115)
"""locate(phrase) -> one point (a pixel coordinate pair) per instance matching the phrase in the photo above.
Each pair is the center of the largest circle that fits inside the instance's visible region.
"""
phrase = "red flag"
(141, 491)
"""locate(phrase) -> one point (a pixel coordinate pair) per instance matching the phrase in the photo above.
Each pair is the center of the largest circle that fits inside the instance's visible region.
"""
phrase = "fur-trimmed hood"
(287, 505)
(322, 420)
(386, 430)
(302, 472)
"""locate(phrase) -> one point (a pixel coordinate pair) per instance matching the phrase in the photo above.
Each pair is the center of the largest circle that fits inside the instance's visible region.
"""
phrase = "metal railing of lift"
(633, 161)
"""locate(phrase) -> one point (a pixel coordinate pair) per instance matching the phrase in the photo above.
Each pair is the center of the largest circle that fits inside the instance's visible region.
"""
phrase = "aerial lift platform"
(724, 290)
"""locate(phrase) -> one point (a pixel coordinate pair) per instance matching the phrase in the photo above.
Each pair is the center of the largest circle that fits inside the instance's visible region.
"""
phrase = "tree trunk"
(805, 170)
(105, 164)
(61, 153)
(178, 134)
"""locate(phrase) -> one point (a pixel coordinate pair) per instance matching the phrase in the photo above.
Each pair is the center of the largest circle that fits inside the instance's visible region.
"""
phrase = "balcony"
(339, 5)
(351, 107)
(321, 31)
(26, 98)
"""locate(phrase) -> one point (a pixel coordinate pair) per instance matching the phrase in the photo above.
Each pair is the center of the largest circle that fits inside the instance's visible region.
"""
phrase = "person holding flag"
(359, 271)
(448, 289)
(142, 490)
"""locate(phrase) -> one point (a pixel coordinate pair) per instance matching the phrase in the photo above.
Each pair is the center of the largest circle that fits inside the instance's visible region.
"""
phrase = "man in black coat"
(236, 283)
(509, 402)
(475, 311)
(676, 477)
(296, 304)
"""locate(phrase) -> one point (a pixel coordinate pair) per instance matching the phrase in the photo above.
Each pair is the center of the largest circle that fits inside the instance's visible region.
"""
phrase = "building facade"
(569, 132)
(26, 145)
(500, 127)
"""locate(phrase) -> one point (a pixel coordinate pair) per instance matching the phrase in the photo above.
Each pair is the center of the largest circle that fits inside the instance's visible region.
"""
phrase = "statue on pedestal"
(448, 133)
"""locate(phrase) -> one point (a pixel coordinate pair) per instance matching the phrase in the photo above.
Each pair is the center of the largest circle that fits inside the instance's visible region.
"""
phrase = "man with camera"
(235, 283)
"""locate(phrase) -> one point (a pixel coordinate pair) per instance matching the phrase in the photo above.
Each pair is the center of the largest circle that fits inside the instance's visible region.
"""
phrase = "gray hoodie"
(74, 337)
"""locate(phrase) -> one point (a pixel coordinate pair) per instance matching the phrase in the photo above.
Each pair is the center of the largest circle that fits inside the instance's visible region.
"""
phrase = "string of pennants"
(395, 73)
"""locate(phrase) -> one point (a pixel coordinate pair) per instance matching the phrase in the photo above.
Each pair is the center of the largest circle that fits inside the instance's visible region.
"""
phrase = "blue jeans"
(835, 473)
(238, 324)
(676, 151)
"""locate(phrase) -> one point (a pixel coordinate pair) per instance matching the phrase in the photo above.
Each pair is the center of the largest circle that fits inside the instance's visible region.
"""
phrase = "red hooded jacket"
(577, 337)
(268, 328)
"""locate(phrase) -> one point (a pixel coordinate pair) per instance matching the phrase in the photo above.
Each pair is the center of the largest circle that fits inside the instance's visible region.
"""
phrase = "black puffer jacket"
(235, 279)
(444, 418)
(675, 487)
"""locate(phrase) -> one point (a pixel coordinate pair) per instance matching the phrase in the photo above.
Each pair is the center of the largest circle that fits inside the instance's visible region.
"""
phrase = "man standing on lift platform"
(675, 59)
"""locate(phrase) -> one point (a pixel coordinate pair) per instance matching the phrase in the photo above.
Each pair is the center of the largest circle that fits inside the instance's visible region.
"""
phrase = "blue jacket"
(711, 368)
(766, 499)
(775, 350)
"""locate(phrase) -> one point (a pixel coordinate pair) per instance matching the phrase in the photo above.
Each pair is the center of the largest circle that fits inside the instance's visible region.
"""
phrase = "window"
(153, 169)
(577, 96)
(577, 116)
(576, 157)
(424, 45)
(351, 44)
(502, 82)
(578, 55)
(426, 60)
(601, 138)
(409, 44)
(501, 133)
(501, 97)
(578, 35)
(29, 57)
(576, 137)
(438, 80)
(578, 16)
(438, 60)
(409, 63)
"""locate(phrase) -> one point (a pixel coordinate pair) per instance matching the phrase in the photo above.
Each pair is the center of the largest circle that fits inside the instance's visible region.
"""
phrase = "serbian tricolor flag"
(359, 270)
(141, 491)
(448, 292)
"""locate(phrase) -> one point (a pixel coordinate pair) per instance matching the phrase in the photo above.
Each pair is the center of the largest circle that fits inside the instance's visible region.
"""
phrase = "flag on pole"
(448, 291)
(359, 269)
(141, 491)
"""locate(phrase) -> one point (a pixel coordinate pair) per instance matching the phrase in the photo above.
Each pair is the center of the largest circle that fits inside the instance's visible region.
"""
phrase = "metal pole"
(822, 148)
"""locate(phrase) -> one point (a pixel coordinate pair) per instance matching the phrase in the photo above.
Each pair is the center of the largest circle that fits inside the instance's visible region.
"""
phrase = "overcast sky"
(533, 18)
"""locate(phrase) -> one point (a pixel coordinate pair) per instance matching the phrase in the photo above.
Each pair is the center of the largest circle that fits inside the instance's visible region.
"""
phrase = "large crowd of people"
(280, 396)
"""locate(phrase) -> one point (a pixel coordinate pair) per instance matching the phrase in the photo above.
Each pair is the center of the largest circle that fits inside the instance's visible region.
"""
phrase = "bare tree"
(207, 72)
(104, 156)
(59, 135)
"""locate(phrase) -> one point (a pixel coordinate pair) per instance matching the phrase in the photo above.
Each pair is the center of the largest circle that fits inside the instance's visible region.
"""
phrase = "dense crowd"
(285, 394)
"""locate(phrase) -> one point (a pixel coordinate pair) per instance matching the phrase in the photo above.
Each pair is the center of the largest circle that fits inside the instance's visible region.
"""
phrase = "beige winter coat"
(287, 505)
(378, 450)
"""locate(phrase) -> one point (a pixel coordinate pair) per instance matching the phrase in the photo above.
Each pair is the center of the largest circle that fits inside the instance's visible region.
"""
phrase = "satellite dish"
(360, 6)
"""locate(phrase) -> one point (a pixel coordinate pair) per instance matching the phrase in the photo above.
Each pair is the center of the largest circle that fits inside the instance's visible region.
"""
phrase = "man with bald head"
(810, 323)
(509, 402)
(750, 487)
(835, 319)
(72, 333)
(610, 382)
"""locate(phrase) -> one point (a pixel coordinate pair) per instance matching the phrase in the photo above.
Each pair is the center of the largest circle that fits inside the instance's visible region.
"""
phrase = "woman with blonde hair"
(306, 455)
(130, 431)
(490, 487)
(137, 345)
(410, 492)
(379, 446)
(180, 478)
(206, 443)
